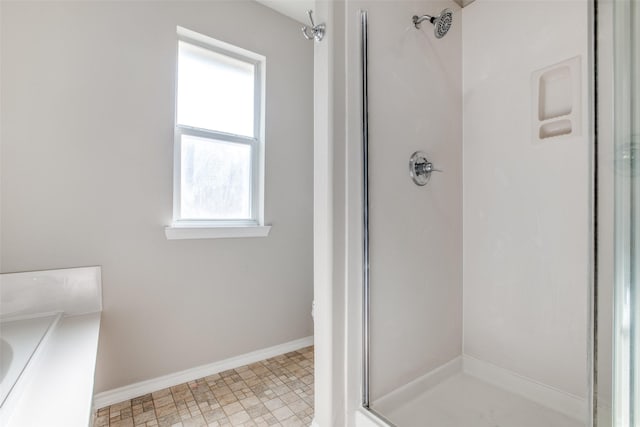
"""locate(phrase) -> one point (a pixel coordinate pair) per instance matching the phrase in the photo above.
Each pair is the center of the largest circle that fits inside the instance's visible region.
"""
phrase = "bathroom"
(437, 209)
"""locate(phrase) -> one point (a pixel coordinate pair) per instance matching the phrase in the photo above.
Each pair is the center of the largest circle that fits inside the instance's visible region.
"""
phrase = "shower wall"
(415, 232)
(526, 204)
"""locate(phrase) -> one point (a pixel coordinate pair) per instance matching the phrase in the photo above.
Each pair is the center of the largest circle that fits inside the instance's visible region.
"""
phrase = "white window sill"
(186, 232)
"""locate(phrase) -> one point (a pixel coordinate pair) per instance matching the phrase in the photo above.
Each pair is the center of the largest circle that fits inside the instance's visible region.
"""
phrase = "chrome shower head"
(442, 23)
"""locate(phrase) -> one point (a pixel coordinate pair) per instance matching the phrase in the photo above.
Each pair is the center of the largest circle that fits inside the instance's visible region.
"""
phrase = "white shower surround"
(526, 204)
(338, 398)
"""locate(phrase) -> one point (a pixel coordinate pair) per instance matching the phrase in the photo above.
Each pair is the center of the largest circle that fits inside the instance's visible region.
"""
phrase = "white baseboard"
(106, 398)
(409, 391)
(551, 397)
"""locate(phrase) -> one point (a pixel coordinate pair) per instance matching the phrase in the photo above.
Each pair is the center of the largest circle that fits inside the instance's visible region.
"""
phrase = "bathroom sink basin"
(49, 328)
(19, 342)
(6, 356)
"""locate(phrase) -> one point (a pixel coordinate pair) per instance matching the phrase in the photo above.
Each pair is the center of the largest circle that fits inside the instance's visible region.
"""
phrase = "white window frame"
(185, 228)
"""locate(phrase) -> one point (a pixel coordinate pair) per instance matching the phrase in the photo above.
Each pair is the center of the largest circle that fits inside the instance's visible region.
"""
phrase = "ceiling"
(297, 9)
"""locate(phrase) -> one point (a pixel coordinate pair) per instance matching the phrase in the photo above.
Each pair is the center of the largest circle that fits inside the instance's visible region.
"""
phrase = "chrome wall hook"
(316, 31)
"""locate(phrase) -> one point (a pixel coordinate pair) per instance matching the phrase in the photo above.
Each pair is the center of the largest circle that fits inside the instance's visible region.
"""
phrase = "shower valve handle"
(420, 168)
(426, 167)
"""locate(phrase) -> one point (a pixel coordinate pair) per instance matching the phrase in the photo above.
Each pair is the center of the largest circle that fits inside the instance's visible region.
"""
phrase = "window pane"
(215, 91)
(216, 179)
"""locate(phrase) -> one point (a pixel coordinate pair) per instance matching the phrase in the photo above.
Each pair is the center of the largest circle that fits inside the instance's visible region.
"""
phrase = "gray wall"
(87, 154)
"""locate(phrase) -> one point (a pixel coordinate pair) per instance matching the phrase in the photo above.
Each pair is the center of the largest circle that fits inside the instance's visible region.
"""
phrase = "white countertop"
(19, 340)
(60, 391)
(54, 386)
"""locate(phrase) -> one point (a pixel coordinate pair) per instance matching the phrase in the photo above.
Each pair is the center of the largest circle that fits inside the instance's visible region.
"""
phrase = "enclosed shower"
(485, 287)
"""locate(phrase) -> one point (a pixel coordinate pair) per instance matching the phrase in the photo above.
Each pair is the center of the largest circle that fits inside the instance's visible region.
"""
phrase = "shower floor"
(463, 400)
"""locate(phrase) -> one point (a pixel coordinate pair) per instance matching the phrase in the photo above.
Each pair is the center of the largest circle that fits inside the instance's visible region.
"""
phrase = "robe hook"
(315, 32)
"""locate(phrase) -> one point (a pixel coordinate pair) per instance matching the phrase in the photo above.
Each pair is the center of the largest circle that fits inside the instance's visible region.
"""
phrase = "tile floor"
(274, 392)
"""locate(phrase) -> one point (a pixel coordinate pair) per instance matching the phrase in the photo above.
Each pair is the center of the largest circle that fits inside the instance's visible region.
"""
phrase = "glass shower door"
(626, 131)
(477, 282)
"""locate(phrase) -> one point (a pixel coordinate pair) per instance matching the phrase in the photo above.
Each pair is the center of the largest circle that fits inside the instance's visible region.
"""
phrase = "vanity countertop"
(60, 391)
(49, 322)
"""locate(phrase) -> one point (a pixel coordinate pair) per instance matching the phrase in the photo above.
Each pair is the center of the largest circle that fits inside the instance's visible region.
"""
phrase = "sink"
(18, 345)
(6, 356)
(49, 327)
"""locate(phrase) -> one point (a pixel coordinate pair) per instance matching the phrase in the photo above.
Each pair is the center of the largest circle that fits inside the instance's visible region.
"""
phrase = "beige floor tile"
(249, 402)
(195, 422)
(226, 399)
(214, 415)
(274, 404)
(282, 414)
(160, 393)
(275, 392)
(232, 408)
(144, 417)
(293, 422)
(122, 423)
(239, 418)
(163, 400)
(101, 421)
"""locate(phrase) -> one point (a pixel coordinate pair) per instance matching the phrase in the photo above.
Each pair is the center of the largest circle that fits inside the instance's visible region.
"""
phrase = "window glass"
(215, 91)
(216, 179)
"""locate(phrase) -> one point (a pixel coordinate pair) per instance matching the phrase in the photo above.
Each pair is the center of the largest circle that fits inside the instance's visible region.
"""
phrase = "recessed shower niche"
(556, 97)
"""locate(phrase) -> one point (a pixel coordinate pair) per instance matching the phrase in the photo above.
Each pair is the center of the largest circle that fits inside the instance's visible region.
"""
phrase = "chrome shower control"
(420, 168)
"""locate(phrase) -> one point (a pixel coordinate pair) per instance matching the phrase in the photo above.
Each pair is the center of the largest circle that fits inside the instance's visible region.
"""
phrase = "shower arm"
(417, 20)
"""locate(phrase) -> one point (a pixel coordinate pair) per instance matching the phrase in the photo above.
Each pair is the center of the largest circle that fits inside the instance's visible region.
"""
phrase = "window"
(219, 140)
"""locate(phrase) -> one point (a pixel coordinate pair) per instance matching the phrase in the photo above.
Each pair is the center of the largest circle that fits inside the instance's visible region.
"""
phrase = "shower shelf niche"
(556, 97)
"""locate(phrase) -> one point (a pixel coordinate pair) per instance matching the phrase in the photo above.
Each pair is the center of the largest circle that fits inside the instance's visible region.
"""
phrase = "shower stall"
(477, 284)
(491, 233)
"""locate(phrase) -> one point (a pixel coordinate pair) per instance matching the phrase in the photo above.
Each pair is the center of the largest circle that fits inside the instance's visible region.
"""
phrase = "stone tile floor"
(273, 392)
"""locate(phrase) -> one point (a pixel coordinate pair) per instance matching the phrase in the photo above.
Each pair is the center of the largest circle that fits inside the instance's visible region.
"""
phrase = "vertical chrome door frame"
(366, 281)
(365, 209)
